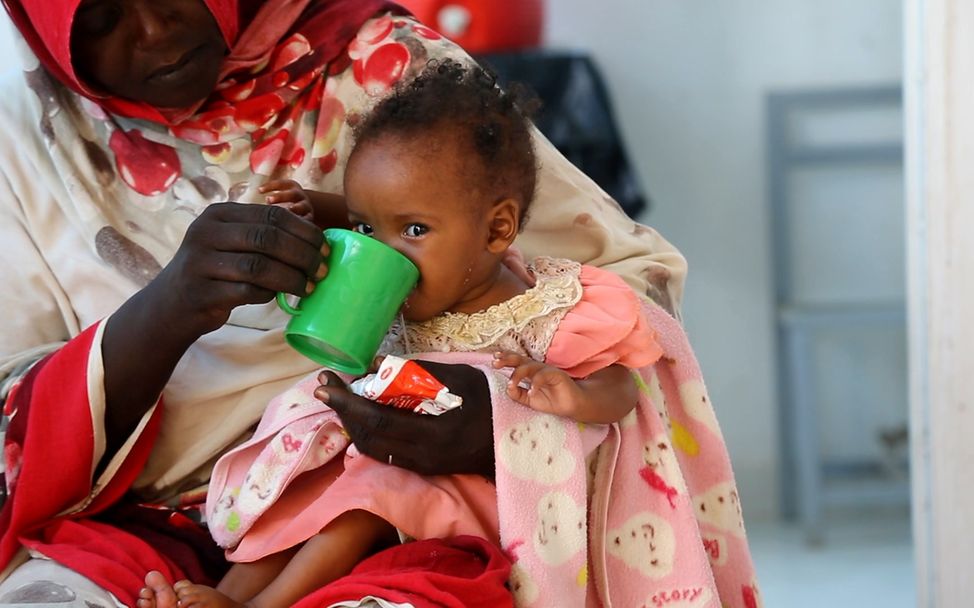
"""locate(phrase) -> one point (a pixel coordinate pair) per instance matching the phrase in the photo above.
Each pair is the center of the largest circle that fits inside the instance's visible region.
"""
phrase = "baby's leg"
(281, 582)
(243, 581)
(327, 556)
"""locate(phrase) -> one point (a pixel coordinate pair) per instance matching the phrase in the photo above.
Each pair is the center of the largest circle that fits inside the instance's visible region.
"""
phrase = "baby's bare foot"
(201, 596)
(147, 599)
(157, 593)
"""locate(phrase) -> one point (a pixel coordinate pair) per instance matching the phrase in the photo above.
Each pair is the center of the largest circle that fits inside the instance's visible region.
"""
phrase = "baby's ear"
(503, 221)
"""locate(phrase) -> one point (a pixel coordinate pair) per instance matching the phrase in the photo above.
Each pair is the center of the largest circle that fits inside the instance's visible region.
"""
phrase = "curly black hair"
(491, 121)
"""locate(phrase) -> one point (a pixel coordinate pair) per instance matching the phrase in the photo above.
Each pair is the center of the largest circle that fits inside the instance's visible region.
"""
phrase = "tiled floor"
(865, 562)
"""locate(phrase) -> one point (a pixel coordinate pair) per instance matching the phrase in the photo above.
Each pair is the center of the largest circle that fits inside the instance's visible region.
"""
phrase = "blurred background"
(763, 138)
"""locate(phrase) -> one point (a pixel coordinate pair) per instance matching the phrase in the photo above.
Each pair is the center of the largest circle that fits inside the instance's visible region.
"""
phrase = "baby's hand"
(288, 194)
(548, 389)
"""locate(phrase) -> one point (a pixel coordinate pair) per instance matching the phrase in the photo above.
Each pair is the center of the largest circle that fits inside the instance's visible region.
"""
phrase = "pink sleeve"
(605, 327)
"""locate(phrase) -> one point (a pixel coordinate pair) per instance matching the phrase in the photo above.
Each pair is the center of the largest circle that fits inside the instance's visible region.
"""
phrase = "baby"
(444, 172)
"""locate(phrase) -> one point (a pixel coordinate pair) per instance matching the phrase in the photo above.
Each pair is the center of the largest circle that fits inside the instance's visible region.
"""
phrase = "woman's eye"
(362, 228)
(98, 19)
(415, 230)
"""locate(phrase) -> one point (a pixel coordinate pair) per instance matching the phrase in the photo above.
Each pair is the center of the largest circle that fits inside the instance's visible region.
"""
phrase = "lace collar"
(557, 287)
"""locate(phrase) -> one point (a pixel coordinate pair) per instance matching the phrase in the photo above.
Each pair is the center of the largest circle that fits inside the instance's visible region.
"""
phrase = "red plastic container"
(483, 26)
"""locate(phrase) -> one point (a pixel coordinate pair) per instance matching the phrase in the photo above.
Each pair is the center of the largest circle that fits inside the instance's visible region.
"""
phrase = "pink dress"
(298, 472)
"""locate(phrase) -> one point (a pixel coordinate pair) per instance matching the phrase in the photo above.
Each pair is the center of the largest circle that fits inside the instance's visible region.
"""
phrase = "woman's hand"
(459, 441)
(232, 254)
(235, 254)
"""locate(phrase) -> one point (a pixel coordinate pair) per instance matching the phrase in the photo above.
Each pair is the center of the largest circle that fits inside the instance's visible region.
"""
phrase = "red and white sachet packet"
(405, 384)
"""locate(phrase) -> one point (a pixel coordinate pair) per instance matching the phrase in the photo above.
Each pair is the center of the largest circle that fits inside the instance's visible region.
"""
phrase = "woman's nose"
(150, 22)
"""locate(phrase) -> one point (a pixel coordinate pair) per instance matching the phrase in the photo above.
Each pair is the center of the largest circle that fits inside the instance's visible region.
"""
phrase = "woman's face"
(163, 52)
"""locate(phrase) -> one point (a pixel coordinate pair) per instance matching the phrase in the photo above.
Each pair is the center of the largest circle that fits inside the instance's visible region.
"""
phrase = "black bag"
(575, 115)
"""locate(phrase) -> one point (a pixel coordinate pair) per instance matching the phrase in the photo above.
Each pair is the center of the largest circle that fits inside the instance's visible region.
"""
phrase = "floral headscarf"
(279, 49)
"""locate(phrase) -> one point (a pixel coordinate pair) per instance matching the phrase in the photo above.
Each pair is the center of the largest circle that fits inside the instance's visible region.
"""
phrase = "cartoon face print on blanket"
(522, 586)
(560, 530)
(646, 543)
(662, 472)
(535, 450)
(693, 393)
(720, 507)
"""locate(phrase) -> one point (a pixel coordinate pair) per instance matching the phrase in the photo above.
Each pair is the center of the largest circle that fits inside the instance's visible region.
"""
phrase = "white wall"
(688, 78)
(940, 152)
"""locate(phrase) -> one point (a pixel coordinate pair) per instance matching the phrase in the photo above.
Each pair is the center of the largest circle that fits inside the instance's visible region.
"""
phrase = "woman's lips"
(176, 71)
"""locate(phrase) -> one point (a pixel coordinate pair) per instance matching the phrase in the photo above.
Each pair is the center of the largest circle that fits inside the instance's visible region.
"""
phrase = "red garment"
(461, 572)
(50, 414)
(48, 453)
(115, 560)
(326, 25)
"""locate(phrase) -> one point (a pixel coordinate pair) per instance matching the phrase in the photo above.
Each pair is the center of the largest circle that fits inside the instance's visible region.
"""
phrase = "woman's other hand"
(459, 441)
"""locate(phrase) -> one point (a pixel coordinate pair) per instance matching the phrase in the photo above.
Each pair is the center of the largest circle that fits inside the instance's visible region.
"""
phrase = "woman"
(144, 298)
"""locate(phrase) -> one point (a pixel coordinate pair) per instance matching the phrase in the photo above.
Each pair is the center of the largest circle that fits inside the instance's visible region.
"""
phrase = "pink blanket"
(663, 527)
(643, 513)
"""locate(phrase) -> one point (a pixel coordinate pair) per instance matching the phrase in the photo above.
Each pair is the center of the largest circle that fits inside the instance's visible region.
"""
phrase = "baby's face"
(412, 196)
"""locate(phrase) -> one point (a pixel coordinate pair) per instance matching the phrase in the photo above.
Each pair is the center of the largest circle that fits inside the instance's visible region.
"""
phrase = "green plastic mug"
(343, 321)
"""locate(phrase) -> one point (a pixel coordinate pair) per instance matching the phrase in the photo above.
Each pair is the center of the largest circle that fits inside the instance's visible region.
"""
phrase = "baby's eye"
(363, 228)
(415, 230)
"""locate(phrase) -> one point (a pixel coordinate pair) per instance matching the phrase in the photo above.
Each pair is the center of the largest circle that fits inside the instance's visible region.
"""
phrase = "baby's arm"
(603, 397)
(324, 209)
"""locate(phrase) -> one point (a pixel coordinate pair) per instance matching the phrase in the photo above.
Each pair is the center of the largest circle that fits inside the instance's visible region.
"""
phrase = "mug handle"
(285, 306)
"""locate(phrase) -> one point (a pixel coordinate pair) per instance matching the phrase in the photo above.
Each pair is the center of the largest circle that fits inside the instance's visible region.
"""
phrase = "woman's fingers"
(378, 431)
(235, 254)
(270, 243)
(459, 441)
(270, 216)
(260, 271)
(368, 421)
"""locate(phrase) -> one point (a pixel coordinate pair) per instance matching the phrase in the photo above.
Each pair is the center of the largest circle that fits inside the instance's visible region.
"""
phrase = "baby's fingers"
(547, 377)
(509, 359)
(526, 372)
(286, 196)
(275, 185)
(301, 209)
